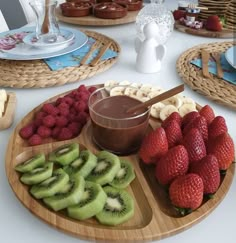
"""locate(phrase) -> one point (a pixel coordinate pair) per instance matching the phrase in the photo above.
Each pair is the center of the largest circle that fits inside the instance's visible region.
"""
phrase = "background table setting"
(93, 53)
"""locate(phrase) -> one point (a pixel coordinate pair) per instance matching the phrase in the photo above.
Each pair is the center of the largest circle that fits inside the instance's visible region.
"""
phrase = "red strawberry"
(208, 113)
(173, 133)
(194, 143)
(186, 191)
(174, 163)
(208, 170)
(35, 140)
(173, 116)
(217, 127)
(213, 23)
(223, 148)
(27, 131)
(189, 117)
(178, 14)
(201, 124)
(154, 146)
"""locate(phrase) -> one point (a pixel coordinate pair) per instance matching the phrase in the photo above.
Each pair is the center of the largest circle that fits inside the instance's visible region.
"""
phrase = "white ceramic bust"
(149, 52)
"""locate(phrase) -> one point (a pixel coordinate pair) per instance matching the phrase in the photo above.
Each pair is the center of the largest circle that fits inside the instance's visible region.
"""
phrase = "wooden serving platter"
(154, 216)
(93, 21)
(225, 33)
(8, 115)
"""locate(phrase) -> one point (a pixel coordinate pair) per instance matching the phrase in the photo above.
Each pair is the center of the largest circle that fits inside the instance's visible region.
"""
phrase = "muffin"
(76, 9)
(133, 5)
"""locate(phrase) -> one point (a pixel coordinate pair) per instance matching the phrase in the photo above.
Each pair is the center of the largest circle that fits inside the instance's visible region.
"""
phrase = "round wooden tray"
(36, 73)
(214, 88)
(154, 216)
(225, 33)
(93, 21)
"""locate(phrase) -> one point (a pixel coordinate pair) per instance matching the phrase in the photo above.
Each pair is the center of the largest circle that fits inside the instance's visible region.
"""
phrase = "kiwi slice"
(119, 207)
(65, 154)
(91, 203)
(38, 174)
(82, 165)
(50, 186)
(30, 164)
(124, 176)
(69, 195)
(108, 165)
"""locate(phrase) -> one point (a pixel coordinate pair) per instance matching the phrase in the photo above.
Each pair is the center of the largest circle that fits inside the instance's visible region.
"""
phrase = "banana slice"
(166, 111)
(135, 85)
(109, 84)
(174, 100)
(154, 93)
(156, 109)
(142, 95)
(131, 91)
(186, 108)
(187, 100)
(146, 88)
(124, 82)
(119, 90)
(3, 95)
(2, 107)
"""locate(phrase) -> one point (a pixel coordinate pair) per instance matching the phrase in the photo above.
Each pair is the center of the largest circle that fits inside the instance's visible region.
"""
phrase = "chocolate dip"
(116, 130)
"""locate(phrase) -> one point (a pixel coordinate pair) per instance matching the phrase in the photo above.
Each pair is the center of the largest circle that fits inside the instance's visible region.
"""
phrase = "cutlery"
(92, 49)
(216, 56)
(205, 58)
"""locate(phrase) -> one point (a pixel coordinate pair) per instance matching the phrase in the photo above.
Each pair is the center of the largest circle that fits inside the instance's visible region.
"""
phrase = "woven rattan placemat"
(36, 73)
(214, 88)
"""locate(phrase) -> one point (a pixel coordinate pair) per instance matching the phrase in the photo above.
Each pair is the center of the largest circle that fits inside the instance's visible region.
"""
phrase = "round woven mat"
(214, 88)
(36, 73)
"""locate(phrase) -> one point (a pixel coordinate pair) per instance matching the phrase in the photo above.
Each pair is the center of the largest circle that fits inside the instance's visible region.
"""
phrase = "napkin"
(229, 71)
(74, 58)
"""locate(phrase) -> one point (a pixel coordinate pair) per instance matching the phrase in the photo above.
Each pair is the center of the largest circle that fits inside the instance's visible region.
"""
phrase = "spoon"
(157, 98)
(45, 25)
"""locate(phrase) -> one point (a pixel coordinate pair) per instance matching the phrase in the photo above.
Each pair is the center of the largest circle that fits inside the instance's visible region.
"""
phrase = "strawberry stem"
(183, 211)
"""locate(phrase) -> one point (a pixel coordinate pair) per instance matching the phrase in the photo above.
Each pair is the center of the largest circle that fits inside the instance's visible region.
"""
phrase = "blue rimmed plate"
(230, 56)
(12, 46)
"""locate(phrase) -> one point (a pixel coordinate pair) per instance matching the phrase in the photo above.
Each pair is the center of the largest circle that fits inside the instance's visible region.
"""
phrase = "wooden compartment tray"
(154, 216)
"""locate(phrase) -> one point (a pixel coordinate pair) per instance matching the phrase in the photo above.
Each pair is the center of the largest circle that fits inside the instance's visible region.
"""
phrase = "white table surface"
(18, 225)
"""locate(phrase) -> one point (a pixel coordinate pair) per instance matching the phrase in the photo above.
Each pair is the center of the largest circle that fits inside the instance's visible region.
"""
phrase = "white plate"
(22, 51)
(62, 40)
(230, 56)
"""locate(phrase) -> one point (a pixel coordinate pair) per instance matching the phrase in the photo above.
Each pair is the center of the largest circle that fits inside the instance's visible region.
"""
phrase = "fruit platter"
(60, 175)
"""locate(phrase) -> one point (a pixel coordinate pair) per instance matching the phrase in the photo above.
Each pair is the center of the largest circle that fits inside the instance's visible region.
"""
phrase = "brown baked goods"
(110, 10)
(78, 1)
(78, 9)
(133, 5)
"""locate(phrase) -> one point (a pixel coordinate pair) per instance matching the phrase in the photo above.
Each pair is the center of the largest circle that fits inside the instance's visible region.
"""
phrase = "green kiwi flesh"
(70, 195)
(82, 165)
(119, 207)
(38, 174)
(50, 186)
(91, 203)
(65, 154)
(31, 163)
(108, 165)
(124, 176)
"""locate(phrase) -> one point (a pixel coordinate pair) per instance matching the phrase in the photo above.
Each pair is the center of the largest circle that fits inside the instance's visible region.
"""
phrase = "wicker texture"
(36, 73)
(213, 88)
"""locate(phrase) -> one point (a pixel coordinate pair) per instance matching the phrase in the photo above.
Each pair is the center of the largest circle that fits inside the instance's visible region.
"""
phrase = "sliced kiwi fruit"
(69, 195)
(82, 165)
(50, 186)
(119, 207)
(38, 174)
(108, 165)
(124, 176)
(30, 164)
(65, 154)
(91, 203)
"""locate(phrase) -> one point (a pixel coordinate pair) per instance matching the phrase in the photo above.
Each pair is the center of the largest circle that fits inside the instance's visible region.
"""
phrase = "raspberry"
(72, 117)
(61, 121)
(35, 140)
(55, 132)
(80, 106)
(92, 89)
(58, 101)
(40, 115)
(68, 100)
(49, 121)
(82, 88)
(82, 118)
(63, 105)
(38, 122)
(27, 131)
(65, 134)
(50, 109)
(44, 132)
(75, 128)
(64, 111)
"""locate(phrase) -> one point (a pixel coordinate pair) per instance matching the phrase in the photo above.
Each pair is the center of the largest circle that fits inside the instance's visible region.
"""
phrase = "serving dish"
(154, 216)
